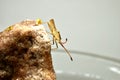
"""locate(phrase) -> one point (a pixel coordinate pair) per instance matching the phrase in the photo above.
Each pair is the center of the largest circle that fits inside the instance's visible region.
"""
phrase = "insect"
(57, 36)
(9, 28)
(55, 33)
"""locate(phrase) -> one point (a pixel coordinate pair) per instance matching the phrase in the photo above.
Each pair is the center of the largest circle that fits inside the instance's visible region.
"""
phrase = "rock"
(25, 53)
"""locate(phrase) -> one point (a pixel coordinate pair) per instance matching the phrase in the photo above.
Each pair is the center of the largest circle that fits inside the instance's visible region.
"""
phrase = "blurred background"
(91, 26)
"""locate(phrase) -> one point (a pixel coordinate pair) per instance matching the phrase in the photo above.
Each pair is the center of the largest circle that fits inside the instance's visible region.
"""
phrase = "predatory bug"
(57, 36)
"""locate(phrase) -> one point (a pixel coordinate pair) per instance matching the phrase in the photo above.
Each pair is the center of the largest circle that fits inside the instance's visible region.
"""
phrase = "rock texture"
(25, 53)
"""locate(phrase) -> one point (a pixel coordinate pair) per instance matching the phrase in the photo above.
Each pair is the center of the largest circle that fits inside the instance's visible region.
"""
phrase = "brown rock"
(25, 53)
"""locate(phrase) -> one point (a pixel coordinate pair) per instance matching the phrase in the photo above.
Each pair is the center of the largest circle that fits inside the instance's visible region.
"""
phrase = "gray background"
(90, 25)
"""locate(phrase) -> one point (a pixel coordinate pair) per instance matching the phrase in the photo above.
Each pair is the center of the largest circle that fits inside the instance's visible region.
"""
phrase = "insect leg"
(64, 41)
(53, 40)
(56, 44)
(66, 51)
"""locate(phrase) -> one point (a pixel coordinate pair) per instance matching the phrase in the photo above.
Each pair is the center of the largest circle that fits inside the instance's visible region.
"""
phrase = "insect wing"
(51, 25)
(57, 36)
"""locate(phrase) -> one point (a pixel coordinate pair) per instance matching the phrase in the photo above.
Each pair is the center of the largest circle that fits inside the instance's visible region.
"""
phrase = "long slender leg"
(66, 51)
(60, 37)
(64, 41)
(56, 44)
(53, 40)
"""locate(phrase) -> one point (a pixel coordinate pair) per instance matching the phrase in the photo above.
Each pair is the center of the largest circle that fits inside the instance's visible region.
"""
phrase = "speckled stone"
(25, 53)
